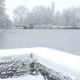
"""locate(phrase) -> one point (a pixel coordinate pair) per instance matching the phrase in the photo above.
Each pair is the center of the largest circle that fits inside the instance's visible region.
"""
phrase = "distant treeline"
(47, 17)
(40, 17)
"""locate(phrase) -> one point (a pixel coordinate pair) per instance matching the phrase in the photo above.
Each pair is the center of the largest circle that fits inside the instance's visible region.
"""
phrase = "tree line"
(40, 15)
(43, 16)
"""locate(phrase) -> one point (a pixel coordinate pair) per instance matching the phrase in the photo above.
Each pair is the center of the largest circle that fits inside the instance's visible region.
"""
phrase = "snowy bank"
(63, 58)
(60, 61)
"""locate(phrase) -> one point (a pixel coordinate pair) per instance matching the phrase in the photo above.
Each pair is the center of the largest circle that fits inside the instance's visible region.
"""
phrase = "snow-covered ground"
(27, 77)
(63, 62)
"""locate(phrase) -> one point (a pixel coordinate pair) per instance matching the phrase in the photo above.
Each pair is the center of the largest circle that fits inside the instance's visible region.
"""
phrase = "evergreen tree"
(4, 21)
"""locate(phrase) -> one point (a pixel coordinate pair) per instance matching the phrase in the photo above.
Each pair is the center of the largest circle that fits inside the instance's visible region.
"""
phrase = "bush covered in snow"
(16, 66)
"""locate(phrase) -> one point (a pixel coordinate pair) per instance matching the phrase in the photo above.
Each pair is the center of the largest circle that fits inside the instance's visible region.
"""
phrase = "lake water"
(64, 40)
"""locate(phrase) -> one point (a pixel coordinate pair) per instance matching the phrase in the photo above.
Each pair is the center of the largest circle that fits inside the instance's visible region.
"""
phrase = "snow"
(27, 77)
(62, 58)
(54, 59)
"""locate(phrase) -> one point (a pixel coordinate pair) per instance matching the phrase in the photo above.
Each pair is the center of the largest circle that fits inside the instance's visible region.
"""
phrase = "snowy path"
(60, 61)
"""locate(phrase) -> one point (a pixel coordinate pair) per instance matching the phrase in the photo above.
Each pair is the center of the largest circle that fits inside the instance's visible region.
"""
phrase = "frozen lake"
(64, 40)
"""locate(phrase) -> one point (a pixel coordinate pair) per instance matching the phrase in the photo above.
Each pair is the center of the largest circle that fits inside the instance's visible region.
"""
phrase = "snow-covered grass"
(63, 62)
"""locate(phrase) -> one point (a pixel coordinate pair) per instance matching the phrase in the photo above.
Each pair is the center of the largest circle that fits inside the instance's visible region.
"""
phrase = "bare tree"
(58, 18)
(39, 15)
(71, 17)
(20, 14)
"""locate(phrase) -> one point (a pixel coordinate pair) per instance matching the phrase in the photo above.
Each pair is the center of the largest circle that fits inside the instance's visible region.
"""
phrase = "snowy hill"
(61, 63)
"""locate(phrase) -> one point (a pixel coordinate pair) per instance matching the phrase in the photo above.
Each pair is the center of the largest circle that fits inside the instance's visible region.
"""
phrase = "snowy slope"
(69, 60)
(63, 62)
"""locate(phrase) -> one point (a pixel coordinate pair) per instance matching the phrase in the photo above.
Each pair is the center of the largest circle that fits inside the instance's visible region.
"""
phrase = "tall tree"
(52, 8)
(71, 17)
(58, 18)
(40, 15)
(4, 21)
(19, 15)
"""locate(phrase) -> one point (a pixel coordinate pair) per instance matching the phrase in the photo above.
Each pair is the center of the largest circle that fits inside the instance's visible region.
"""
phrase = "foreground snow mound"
(17, 66)
(51, 64)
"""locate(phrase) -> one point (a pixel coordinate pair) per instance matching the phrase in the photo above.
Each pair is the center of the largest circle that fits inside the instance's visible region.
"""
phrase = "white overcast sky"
(59, 4)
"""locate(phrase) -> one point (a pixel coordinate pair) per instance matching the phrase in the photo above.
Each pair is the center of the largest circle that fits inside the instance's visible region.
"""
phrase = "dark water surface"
(64, 40)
